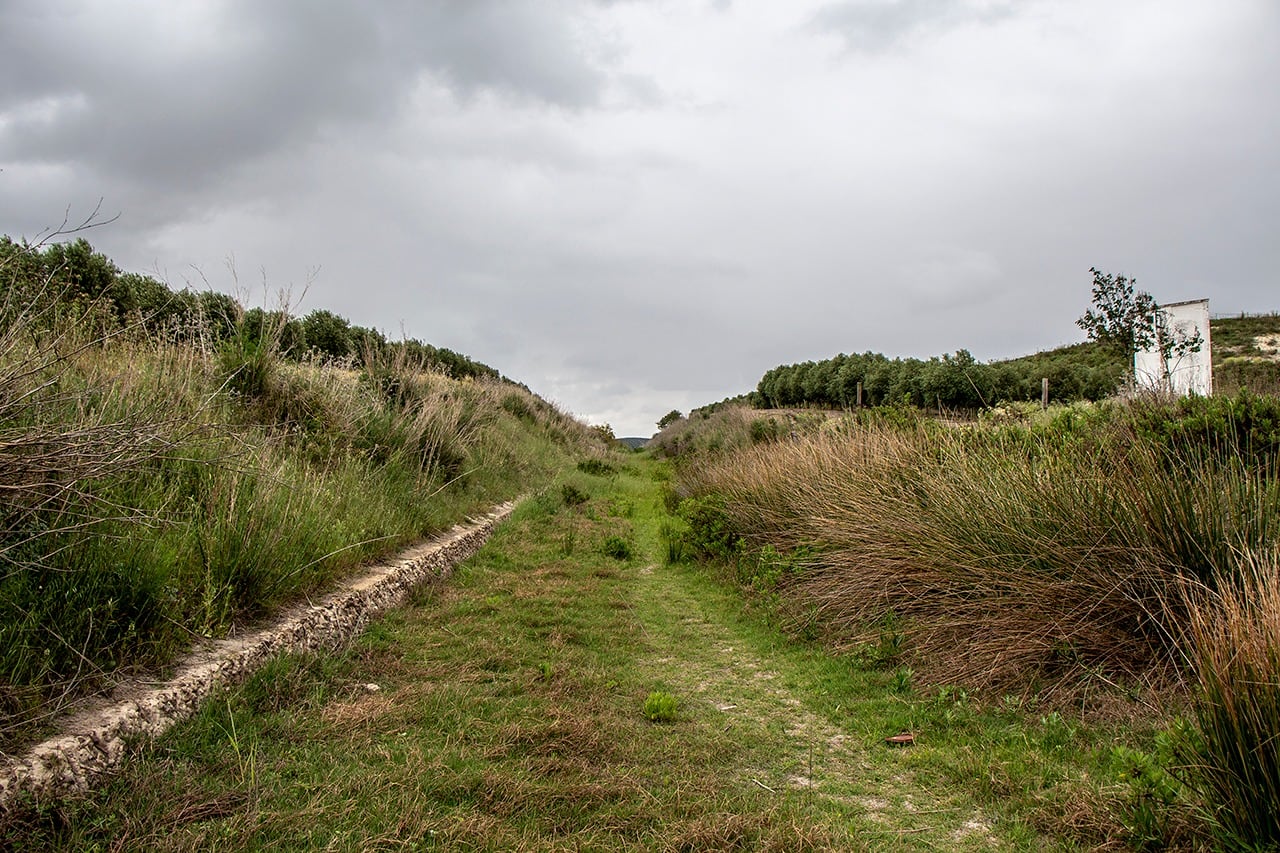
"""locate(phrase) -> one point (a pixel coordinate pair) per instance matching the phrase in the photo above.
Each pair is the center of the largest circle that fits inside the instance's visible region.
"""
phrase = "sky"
(634, 206)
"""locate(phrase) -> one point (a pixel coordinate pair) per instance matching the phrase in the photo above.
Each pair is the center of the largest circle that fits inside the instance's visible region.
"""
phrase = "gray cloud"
(639, 206)
(177, 102)
(876, 25)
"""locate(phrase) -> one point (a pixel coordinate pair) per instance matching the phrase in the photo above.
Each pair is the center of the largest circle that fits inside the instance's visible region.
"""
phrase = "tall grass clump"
(1233, 641)
(1033, 559)
(159, 483)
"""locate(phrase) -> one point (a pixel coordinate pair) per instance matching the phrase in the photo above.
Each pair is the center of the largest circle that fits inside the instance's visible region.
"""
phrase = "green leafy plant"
(1150, 792)
(660, 707)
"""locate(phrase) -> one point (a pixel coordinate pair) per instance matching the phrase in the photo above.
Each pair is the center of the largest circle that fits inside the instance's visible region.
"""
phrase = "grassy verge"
(158, 489)
(513, 708)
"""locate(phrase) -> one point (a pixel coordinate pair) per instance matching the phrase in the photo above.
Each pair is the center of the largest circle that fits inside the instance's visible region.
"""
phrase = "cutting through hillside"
(579, 684)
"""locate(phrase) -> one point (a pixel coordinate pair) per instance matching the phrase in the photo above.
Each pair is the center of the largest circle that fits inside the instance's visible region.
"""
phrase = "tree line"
(953, 381)
(74, 275)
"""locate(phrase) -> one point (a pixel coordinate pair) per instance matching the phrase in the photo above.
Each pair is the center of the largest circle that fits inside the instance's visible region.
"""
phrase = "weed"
(596, 467)
(617, 548)
(572, 495)
(673, 538)
(1151, 795)
(660, 707)
(622, 507)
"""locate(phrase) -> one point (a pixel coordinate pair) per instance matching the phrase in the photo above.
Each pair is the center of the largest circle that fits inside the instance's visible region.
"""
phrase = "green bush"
(596, 467)
(712, 534)
(572, 495)
(766, 429)
(1246, 426)
(617, 548)
(518, 406)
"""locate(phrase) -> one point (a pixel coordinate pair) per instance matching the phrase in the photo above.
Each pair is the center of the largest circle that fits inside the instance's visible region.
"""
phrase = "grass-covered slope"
(169, 481)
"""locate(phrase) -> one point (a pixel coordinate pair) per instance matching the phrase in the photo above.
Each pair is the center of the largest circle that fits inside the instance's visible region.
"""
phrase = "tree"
(1128, 321)
(669, 418)
(327, 333)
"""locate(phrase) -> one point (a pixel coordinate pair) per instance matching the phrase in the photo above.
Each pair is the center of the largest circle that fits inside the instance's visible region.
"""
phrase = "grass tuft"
(660, 707)
(1234, 638)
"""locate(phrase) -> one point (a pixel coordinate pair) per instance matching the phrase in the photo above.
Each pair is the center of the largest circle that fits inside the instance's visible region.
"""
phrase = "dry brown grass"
(1010, 569)
(1233, 640)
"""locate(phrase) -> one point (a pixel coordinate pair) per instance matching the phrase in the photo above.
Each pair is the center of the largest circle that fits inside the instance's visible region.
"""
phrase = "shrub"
(766, 429)
(596, 467)
(518, 406)
(617, 548)
(712, 531)
(572, 495)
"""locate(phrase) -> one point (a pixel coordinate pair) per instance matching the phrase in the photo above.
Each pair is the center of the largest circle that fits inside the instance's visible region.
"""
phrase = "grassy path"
(502, 710)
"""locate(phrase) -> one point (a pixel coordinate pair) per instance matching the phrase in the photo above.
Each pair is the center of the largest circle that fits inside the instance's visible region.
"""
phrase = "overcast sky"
(640, 206)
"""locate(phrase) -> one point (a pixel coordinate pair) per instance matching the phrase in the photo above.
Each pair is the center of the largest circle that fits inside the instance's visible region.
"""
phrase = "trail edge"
(97, 740)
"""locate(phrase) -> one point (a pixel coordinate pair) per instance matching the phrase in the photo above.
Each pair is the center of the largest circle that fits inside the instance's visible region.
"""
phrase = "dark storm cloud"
(156, 97)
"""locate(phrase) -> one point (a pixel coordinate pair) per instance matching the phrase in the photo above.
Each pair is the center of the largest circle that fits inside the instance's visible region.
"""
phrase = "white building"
(1188, 374)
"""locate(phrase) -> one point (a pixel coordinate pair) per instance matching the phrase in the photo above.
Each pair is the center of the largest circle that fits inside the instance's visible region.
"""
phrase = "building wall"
(1190, 374)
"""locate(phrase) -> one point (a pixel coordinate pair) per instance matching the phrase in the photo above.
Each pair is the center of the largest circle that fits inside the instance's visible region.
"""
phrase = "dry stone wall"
(96, 740)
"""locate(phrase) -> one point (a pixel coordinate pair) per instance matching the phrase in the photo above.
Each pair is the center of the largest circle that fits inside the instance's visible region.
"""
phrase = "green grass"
(508, 713)
(158, 492)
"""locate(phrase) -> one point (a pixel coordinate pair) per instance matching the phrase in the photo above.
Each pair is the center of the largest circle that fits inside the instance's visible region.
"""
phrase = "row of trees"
(1121, 322)
(954, 381)
(74, 274)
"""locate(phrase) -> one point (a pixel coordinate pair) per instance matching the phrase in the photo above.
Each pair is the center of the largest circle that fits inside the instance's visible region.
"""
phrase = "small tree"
(669, 418)
(1128, 321)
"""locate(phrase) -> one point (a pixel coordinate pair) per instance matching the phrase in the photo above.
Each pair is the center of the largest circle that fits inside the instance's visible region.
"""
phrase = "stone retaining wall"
(94, 742)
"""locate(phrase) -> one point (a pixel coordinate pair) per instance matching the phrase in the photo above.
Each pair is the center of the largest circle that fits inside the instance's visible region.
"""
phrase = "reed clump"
(1015, 558)
(1232, 638)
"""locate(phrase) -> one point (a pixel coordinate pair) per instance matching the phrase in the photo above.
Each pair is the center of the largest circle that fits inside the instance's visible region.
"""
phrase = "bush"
(1246, 426)
(596, 467)
(617, 548)
(712, 532)
(572, 495)
(766, 429)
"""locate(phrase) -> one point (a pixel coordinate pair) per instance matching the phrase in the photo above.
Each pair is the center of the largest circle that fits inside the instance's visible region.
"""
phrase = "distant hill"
(634, 443)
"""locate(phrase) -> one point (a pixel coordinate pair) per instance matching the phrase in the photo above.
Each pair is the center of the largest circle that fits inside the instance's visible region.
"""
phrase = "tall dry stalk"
(1233, 642)
(64, 428)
